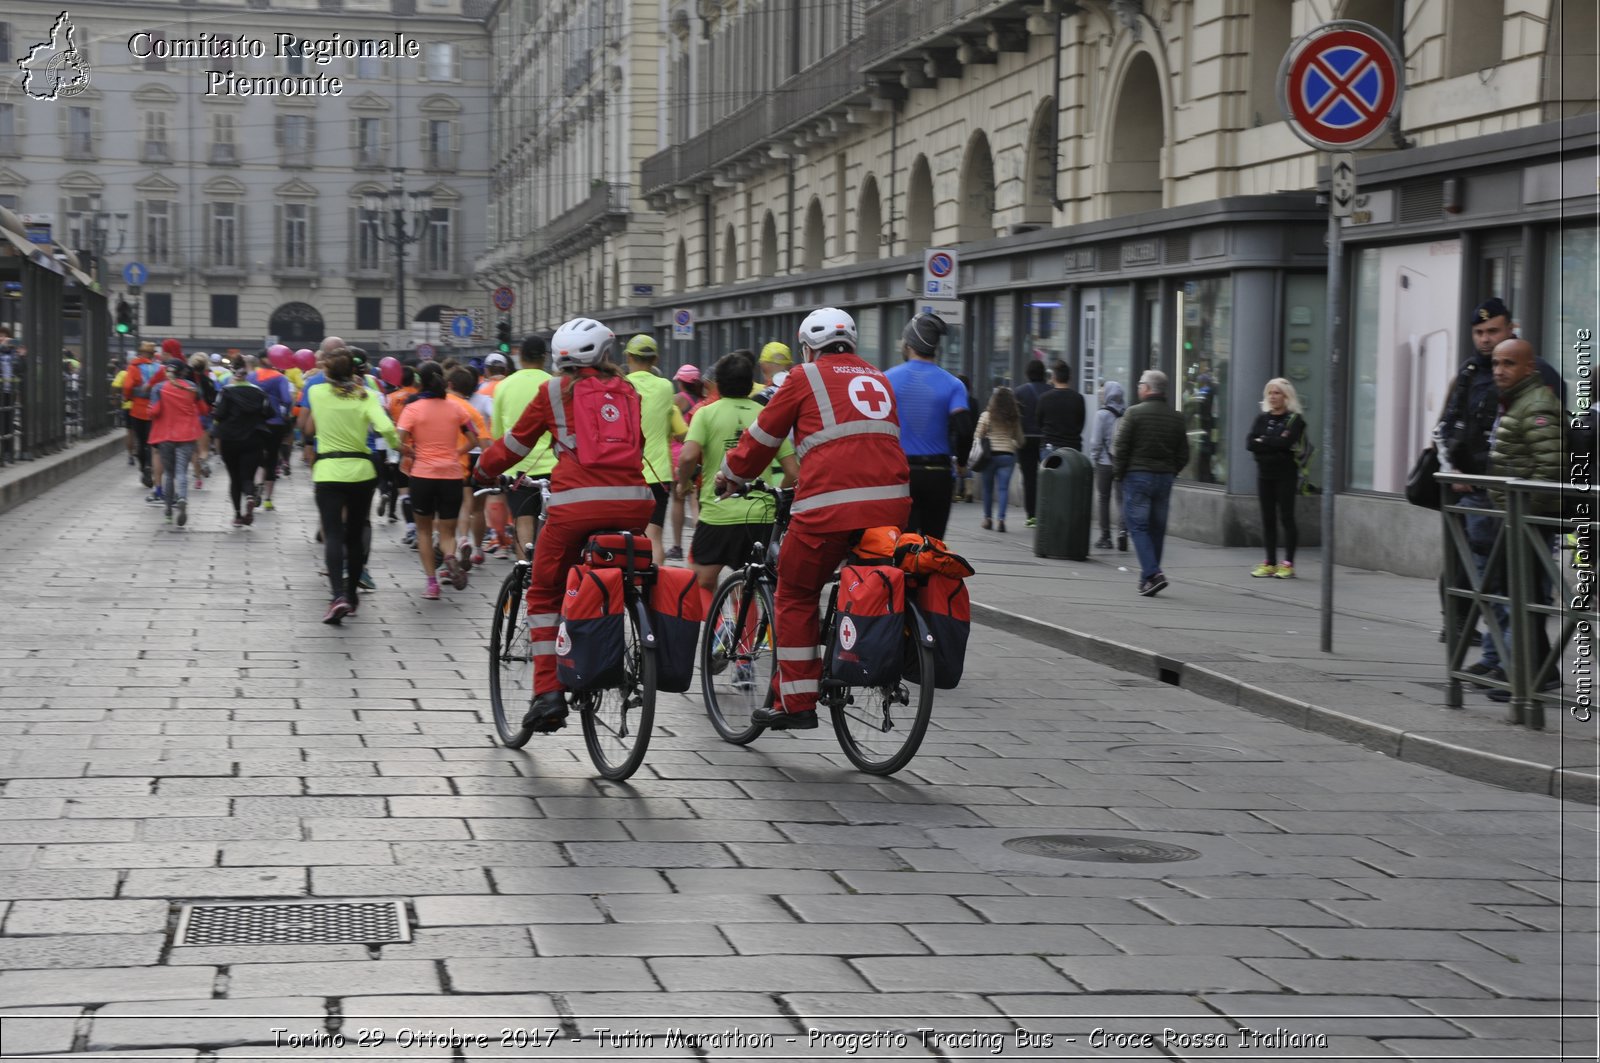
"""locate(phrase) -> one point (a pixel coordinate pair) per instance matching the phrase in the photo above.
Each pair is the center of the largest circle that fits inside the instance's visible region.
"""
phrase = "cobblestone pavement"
(179, 728)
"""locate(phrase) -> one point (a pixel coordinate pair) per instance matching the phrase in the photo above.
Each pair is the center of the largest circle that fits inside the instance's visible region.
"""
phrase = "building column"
(1252, 362)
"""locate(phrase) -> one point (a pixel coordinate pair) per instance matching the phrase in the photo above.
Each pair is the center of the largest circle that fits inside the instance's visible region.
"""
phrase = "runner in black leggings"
(241, 419)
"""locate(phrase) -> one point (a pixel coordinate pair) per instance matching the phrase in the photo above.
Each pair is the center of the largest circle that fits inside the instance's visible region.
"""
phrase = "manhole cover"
(1100, 849)
(1180, 754)
(350, 922)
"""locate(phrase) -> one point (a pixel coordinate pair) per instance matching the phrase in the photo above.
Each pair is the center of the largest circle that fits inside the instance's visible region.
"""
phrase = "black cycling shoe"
(778, 720)
(548, 713)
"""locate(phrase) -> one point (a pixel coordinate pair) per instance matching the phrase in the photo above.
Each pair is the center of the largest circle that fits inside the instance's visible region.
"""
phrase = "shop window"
(869, 335)
(1114, 357)
(158, 309)
(1044, 326)
(1405, 325)
(1566, 335)
(1206, 331)
(1305, 346)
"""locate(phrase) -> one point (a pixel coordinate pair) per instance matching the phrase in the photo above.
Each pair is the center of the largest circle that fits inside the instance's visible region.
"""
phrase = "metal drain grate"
(1100, 849)
(323, 923)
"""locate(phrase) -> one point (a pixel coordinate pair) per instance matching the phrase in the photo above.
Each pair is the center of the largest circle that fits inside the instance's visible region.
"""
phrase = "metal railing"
(603, 200)
(1513, 579)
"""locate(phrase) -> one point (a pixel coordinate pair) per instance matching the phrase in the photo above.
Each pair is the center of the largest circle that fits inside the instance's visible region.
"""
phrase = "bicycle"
(617, 719)
(878, 728)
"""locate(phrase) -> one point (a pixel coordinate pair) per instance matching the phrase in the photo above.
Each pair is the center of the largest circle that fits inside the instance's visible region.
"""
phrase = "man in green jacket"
(1152, 448)
(1528, 444)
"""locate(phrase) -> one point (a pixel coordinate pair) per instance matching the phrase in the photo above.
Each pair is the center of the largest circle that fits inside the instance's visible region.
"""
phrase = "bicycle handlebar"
(507, 483)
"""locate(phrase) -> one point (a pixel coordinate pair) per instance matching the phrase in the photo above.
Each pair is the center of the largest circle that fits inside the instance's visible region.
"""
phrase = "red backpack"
(600, 423)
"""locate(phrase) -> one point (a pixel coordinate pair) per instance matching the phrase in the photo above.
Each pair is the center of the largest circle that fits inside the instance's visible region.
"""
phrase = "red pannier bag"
(611, 550)
(676, 609)
(948, 612)
(589, 635)
(869, 632)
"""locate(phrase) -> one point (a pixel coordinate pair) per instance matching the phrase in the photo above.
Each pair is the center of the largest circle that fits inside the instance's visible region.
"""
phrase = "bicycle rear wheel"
(881, 728)
(510, 662)
(737, 660)
(617, 720)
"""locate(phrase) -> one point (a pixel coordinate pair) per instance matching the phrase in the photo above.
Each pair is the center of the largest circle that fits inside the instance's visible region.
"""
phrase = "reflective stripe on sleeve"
(850, 496)
(764, 438)
(541, 649)
(850, 428)
(558, 411)
(601, 494)
(797, 653)
(813, 377)
(730, 474)
(543, 619)
(513, 445)
(799, 686)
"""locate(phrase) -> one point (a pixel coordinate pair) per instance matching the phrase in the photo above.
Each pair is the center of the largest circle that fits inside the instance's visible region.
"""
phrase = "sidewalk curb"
(1417, 748)
(41, 475)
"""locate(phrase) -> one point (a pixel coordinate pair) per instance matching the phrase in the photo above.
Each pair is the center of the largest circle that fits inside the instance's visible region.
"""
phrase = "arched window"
(869, 222)
(919, 205)
(814, 236)
(1138, 131)
(977, 190)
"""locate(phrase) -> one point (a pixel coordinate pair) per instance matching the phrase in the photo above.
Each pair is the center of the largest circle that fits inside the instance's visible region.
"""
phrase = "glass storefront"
(1045, 327)
(869, 335)
(1404, 339)
(996, 369)
(1305, 342)
(1205, 316)
(1572, 287)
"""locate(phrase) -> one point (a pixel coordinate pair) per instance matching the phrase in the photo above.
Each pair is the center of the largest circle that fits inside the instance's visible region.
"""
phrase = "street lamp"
(95, 228)
(387, 213)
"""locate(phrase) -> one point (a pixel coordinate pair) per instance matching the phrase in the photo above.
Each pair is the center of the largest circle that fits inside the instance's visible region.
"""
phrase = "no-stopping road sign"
(504, 298)
(1340, 85)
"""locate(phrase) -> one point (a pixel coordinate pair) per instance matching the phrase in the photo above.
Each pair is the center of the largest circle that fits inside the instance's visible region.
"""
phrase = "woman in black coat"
(1275, 441)
(241, 415)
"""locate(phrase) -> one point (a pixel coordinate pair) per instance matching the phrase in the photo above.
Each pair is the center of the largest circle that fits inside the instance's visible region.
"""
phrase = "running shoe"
(674, 553)
(146, 477)
(478, 557)
(238, 521)
(267, 505)
(198, 483)
(430, 592)
(1033, 522)
(464, 553)
(338, 609)
(205, 469)
(154, 498)
(183, 512)
(1285, 570)
(1264, 570)
(366, 582)
(353, 601)
(410, 537)
(455, 573)
(249, 510)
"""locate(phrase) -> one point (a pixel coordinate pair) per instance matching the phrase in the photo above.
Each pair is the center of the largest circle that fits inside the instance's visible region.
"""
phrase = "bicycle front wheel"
(617, 720)
(881, 728)
(737, 659)
(510, 662)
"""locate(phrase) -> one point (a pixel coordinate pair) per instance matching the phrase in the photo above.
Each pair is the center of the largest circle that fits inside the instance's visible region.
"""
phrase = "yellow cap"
(777, 354)
(642, 346)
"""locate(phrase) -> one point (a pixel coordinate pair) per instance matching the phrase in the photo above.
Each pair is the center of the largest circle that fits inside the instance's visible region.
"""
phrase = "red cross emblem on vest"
(868, 395)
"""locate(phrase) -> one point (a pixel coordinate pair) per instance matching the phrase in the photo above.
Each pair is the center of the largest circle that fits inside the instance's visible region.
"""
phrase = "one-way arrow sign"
(1342, 184)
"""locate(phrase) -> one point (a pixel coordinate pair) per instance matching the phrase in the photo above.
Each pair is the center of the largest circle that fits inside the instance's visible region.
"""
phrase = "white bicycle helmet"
(828, 327)
(581, 341)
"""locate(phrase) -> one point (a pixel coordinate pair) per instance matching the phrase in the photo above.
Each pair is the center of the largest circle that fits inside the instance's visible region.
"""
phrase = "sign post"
(683, 324)
(939, 266)
(1339, 86)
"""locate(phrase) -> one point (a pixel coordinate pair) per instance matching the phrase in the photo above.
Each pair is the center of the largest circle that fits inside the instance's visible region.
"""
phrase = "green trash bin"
(1065, 505)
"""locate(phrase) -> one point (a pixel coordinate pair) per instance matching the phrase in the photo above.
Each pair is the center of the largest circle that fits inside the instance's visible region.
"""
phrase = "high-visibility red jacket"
(570, 483)
(853, 472)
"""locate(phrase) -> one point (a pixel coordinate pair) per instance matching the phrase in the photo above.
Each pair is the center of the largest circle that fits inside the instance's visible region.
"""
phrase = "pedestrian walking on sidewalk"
(1152, 447)
(1112, 404)
(1275, 439)
(935, 422)
(1032, 441)
(1001, 424)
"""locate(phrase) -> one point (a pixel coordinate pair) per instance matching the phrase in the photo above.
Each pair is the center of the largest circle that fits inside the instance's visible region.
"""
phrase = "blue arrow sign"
(461, 327)
(134, 273)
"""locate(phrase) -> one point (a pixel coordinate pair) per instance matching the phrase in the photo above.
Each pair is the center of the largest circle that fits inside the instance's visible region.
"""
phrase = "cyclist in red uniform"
(586, 495)
(853, 475)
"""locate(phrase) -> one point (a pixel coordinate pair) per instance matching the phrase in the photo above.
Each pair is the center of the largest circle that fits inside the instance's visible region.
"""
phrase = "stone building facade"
(241, 200)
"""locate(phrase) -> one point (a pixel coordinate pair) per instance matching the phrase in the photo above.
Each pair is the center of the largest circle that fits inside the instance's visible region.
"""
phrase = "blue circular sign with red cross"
(1340, 85)
(940, 265)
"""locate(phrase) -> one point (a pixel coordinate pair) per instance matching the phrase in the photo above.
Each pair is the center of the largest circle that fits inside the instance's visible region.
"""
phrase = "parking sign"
(939, 273)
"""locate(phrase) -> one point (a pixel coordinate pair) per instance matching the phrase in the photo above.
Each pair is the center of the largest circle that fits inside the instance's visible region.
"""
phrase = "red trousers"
(806, 563)
(557, 549)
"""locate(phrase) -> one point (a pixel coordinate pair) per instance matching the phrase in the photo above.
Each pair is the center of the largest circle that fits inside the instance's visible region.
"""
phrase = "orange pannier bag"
(923, 555)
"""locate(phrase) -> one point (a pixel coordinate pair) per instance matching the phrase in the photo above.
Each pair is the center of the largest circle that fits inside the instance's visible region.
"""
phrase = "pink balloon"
(281, 360)
(278, 348)
(305, 359)
(391, 372)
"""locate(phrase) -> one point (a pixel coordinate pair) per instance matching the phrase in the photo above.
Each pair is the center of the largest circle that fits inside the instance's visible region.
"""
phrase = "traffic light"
(503, 331)
(124, 317)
